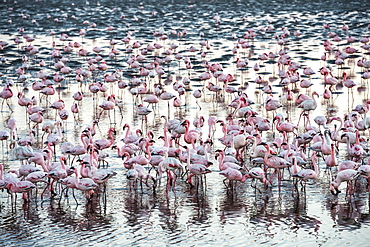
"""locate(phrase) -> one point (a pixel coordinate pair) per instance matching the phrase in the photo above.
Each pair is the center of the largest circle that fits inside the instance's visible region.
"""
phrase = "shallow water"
(209, 215)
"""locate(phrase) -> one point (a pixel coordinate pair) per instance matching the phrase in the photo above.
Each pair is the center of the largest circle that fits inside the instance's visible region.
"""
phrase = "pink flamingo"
(59, 171)
(308, 105)
(169, 165)
(26, 169)
(5, 95)
(190, 136)
(47, 91)
(233, 175)
(211, 125)
(129, 136)
(79, 149)
(151, 99)
(348, 164)
(274, 162)
(14, 185)
(305, 174)
(258, 173)
(140, 173)
(272, 104)
(12, 125)
(22, 152)
(332, 81)
(78, 96)
(141, 159)
(108, 105)
(105, 143)
(331, 160)
(197, 94)
(34, 109)
(285, 127)
(355, 151)
(347, 82)
(344, 176)
(222, 164)
(3, 183)
(86, 185)
(100, 176)
(4, 135)
(129, 148)
(22, 100)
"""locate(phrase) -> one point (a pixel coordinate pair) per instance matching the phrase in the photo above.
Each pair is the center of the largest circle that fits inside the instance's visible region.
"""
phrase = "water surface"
(210, 215)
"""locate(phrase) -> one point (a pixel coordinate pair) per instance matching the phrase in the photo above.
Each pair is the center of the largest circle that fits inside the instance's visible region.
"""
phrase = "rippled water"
(210, 215)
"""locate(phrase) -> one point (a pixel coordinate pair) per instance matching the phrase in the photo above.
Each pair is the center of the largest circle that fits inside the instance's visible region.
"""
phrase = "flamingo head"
(139, 132)
(209, 140)
(185, 123)
(343, 135)
(221, 122)
(177, 152)
(276, 118)
(334, 188)
(112, 130)
(150, 134)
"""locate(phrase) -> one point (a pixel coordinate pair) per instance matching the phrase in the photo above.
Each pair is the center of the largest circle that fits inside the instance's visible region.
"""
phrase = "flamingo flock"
(247, 137)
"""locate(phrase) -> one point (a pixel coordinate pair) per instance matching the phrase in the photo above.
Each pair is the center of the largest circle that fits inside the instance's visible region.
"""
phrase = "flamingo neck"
(147, 151)
(253, 149)
(166, 141)
(59, 130)
(265, 158)
(77, 180)
(232, 141)
(357, 137)
(62, 160)
(83, 171)
(120, 151)
(127, 131)
(315, 167)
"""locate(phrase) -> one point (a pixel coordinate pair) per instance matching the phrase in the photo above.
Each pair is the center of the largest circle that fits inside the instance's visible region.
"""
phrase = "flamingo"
(343, 176)
(275, 162)
(130, 137)
(99, 176)
(308, 104)
(141, 159)
(223, 164)
(140, 173)
(37, 118)
(285, 127)
(305, 174)
(233, 175)
(3, 183)
(6, 94)
(59, 171)
(355, 151)
(169, 165)
(190, 136)
(105, 143)
(14, 185)
(22, 152)
(79, 149)
(87, 185)
(108, 105)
